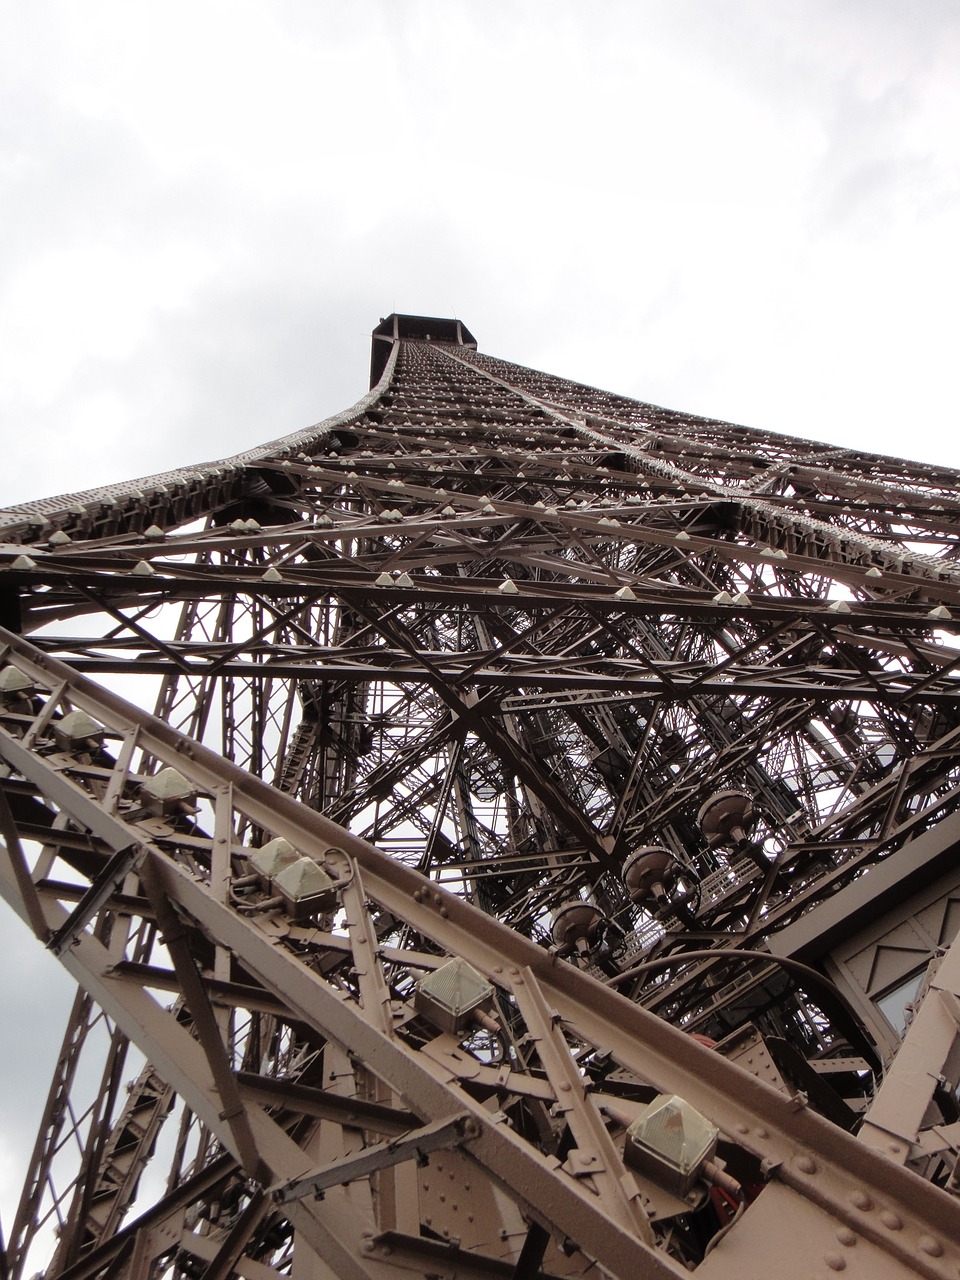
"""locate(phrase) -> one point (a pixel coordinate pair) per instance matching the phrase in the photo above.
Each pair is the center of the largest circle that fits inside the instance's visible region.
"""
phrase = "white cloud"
(744, 211)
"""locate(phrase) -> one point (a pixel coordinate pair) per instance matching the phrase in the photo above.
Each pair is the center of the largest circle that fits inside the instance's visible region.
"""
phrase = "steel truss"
(471, 645)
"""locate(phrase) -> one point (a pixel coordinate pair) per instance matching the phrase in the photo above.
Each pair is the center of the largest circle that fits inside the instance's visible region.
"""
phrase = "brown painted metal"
(469, 644)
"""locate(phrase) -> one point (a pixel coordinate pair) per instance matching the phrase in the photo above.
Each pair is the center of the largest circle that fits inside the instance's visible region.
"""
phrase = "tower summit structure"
(507, 829)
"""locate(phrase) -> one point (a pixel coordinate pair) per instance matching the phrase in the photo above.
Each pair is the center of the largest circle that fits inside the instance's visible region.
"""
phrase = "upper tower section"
(422, 328)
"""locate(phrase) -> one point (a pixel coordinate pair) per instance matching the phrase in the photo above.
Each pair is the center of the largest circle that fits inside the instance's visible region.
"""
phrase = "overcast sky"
(747, 209)
(744, 208)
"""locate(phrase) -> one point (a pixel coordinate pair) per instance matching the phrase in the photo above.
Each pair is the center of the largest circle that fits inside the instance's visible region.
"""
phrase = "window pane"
(893, 1005)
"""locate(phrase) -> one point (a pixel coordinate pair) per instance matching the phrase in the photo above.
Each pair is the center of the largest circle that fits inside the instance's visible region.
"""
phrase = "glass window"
(893, 1004)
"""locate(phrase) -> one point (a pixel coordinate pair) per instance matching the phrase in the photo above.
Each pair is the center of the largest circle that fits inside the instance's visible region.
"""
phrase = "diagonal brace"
(204, 1020)
(413, 1145)
(101, 891)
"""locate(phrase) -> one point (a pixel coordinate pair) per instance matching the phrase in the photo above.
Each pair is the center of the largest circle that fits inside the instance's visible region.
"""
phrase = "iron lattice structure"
(597, 700)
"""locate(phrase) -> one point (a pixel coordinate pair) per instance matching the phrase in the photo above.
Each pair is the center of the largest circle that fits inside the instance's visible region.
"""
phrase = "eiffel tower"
(504, 830)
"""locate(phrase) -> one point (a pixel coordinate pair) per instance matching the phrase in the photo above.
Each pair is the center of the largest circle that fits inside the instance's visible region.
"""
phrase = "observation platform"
(420, 328)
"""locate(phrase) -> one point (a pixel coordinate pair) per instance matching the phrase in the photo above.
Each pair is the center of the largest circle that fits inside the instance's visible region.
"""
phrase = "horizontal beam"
(886, 687)
(357, 1113)
(177, 583)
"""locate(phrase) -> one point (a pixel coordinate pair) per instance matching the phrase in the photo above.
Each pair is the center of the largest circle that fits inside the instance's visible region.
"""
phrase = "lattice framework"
(507, 630)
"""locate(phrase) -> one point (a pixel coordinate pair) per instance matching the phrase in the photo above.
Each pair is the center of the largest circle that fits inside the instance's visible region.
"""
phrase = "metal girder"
(810, 1156)
(416, 1144)
(508, 631)
(104, 887)
(626, 685)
